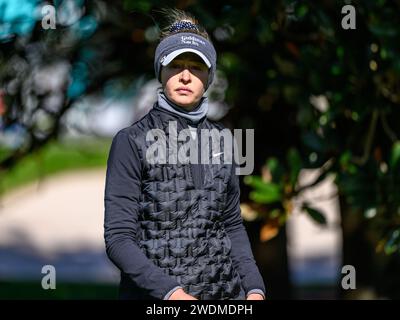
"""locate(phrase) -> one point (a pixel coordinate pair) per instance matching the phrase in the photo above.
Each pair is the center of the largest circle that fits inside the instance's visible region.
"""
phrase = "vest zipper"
(197, 170)
(200, 165)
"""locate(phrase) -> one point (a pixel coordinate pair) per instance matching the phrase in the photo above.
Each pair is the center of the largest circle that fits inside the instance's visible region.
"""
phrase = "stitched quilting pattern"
(181, 226)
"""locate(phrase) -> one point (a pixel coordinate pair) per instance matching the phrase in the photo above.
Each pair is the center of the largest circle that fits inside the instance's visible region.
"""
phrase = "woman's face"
(184, 80)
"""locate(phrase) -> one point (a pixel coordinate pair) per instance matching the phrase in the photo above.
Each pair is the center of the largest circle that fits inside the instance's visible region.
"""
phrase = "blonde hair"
(173, 16)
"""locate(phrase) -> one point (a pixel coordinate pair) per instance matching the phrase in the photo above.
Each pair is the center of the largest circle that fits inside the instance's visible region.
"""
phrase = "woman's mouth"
(183, 90)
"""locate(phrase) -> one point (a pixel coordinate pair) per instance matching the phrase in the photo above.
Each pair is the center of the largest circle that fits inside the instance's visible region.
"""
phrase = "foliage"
(317, 95)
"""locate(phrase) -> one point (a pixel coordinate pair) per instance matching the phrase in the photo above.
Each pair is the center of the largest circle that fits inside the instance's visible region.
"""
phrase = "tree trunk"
(272, 261)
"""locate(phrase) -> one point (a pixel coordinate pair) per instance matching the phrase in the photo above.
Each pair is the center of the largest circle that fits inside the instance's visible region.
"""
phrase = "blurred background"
(324, 101)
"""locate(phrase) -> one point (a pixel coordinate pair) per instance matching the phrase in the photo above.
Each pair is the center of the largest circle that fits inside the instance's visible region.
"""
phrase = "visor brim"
(167, 59)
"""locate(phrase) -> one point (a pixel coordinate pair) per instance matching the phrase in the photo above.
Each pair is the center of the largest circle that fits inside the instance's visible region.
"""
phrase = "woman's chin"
(186, 103)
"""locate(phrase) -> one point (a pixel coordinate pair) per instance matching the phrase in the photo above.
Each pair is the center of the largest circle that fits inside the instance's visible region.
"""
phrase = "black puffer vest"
(181, 216)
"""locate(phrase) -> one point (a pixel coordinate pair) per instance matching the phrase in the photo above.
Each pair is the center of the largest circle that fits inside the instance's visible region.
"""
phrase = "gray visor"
(178, 43)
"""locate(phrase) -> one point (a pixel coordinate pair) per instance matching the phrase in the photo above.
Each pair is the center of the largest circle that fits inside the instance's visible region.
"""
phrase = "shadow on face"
(184, 80)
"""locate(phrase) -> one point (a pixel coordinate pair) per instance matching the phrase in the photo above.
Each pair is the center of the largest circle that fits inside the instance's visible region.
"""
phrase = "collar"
(193, 117)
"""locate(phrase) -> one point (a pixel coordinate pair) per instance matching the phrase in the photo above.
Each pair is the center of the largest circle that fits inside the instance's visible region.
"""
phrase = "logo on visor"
(192, 40)
(163, 59)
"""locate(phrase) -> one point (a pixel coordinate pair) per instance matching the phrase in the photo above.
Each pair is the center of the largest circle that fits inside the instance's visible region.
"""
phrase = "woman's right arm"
(121, 202)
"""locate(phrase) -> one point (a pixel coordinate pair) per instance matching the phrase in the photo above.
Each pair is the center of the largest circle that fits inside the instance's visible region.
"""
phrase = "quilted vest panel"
(181, 226)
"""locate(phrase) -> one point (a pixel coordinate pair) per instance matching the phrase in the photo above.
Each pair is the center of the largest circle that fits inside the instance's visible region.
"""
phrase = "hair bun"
(183, 25)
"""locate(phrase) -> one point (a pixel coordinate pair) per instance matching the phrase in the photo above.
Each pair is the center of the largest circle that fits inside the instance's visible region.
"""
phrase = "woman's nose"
(185, 75)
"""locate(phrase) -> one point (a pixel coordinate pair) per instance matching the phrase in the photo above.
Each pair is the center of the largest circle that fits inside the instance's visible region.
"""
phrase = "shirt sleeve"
(241, 253)
(259, 291)
(169, 294)
(121, 202)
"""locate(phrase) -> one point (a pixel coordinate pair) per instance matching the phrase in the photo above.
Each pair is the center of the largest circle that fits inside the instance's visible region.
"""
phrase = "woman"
(175, 229)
